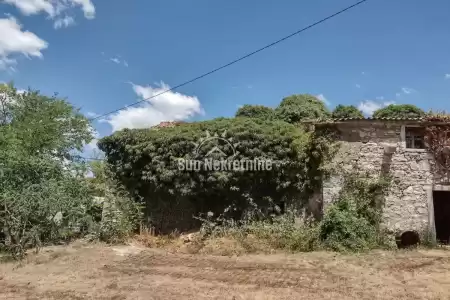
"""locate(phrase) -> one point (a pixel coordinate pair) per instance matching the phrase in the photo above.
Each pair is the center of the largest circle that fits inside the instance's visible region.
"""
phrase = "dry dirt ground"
(85, 271)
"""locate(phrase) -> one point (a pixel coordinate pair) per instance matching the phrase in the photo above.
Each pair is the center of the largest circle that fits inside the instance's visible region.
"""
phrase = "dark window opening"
(441, 201)
(415, 137)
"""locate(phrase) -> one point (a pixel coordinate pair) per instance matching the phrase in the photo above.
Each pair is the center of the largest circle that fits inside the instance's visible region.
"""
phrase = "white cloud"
(87, 6)
(368, 107)
(64, 22)
(53, 8)
(447, 76)
(91, 114)
(115, 60)
(14, 41)
(118, 61)
(170, 106)
(91, 148)
(408, 91)
(31, 7)
(322, 98)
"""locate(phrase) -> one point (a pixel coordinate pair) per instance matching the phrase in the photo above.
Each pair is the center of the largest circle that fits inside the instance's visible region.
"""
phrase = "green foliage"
(282, 232)
(437, 141)
(99, 180)
(343, 229)
(399, 111)
(121, 217)
(41, 194)
(346, 111)
(297, 108)
(287, 232)
(146, 163)
(117, 214)
(352, 222)
(256, 111)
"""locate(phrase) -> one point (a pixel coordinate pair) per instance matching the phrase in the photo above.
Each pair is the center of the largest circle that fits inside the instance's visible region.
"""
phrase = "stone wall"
(380, 149)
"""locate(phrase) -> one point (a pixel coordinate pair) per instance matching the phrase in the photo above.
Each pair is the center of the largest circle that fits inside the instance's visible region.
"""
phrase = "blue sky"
(103, 55)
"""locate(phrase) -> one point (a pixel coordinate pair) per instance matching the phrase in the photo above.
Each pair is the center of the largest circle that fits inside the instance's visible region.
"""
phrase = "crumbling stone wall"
(379, 148)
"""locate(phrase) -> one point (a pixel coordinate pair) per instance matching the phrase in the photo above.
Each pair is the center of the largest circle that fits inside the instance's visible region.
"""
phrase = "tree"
(346, 111)
(399, 111)
(255, 111)
(41, 190)
(297, 108)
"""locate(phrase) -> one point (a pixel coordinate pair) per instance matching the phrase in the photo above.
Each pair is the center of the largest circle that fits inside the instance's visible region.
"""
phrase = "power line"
(236, 60)
(88, 158)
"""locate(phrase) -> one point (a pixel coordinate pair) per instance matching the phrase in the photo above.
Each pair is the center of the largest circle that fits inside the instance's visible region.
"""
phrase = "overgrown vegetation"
(44, 197)
(160, 176)
(256, 111)
(297, 108)
(437, 141)
(353, 220)
(401, 111)
(152, 164)
(346, 112)
(351, 223)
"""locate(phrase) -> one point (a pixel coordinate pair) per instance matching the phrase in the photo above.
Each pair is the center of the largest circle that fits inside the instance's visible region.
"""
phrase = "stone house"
(419, 201)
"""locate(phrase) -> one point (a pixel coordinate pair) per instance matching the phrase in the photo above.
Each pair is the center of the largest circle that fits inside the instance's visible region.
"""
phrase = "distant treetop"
(399, 111)
(346, 111)
(297, 108)
(255, 111)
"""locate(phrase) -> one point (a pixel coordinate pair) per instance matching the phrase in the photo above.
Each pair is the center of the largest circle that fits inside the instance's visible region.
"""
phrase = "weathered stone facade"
(378, 146)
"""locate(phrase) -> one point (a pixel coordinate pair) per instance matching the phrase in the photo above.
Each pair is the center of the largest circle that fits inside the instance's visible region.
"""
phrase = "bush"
(284, 233)
(41, 203)
(346, 111)
(399, 111)
(281, 232)
(352, 222)
(343, 230)
(297, 108)
(121, 217)
(43, 196)
(256, 111)
(146, 162)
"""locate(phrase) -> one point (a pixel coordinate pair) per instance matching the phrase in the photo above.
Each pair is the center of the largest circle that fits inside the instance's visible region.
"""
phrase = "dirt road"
(100, 272)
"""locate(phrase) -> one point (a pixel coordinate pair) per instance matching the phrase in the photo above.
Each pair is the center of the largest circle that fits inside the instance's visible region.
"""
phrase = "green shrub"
(255, 111)
(297, 108)
(352, 222)
(146, 162)
(342, 229)
(282, 232)
(43, 197)
(346, 111)
(121, 217)
(399, 111)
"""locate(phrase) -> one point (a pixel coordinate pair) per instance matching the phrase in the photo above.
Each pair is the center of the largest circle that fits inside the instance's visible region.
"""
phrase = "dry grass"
(133, 272)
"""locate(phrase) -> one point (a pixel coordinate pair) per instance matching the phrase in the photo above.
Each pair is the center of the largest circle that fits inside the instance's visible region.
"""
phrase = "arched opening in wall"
(408, 239)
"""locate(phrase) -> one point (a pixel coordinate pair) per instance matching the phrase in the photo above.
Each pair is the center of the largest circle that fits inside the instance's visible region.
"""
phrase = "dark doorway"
(441, 201)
